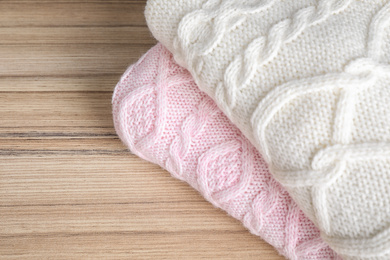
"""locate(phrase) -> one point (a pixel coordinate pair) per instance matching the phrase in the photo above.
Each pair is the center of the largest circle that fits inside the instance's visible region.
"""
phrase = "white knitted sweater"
(308, 82)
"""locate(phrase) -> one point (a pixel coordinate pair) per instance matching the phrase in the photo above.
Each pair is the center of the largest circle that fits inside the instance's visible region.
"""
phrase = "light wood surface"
(69, 189)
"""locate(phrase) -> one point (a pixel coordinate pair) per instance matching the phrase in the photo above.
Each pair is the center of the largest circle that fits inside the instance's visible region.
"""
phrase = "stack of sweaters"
(277, 112)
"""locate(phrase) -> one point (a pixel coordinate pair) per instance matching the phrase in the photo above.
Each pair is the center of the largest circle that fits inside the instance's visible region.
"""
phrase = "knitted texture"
(308, 83)
(161, 115)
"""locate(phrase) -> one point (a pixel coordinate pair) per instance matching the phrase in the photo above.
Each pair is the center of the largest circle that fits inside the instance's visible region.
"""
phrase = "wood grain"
(69, 189)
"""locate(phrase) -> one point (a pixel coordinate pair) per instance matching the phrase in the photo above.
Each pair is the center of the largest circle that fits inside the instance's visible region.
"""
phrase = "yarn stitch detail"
(223, 17)
(191, 127)
(260, 51)
(263, 203)
(328, 163)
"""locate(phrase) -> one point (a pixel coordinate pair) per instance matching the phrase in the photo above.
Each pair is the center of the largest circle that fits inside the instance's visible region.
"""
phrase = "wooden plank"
(16, 13)
(68, 60)
(129, 216)
(89, 146)
(75, 35)
(190, 245)
(44, 179)
(62, 83)
(65, 206)
(20, 134)
(61, 109)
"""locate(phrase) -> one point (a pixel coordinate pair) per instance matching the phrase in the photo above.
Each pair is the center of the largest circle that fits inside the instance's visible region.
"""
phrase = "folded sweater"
(308, 83)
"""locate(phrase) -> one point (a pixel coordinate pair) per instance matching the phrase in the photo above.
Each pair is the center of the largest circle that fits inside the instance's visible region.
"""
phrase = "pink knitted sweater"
(162, 116)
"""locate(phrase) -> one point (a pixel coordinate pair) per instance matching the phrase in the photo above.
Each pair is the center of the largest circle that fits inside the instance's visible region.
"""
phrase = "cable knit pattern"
(161, 115)
(261, 50)
(308, 83)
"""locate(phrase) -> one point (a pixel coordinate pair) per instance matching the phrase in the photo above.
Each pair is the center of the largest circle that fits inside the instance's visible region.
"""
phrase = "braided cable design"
(164, 81)
(329, 163)
(226, 16)
(191, 128)
(263, 49)
(265, 198)
(245, 177)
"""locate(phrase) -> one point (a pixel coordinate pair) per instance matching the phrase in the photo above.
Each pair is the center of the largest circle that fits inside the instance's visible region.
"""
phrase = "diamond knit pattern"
(162, 116)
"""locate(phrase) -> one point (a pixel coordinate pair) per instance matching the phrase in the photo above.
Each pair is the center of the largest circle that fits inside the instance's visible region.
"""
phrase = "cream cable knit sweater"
(308, 82)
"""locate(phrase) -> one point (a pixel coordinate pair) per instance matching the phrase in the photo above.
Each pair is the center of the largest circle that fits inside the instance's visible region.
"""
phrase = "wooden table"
(69, 189)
